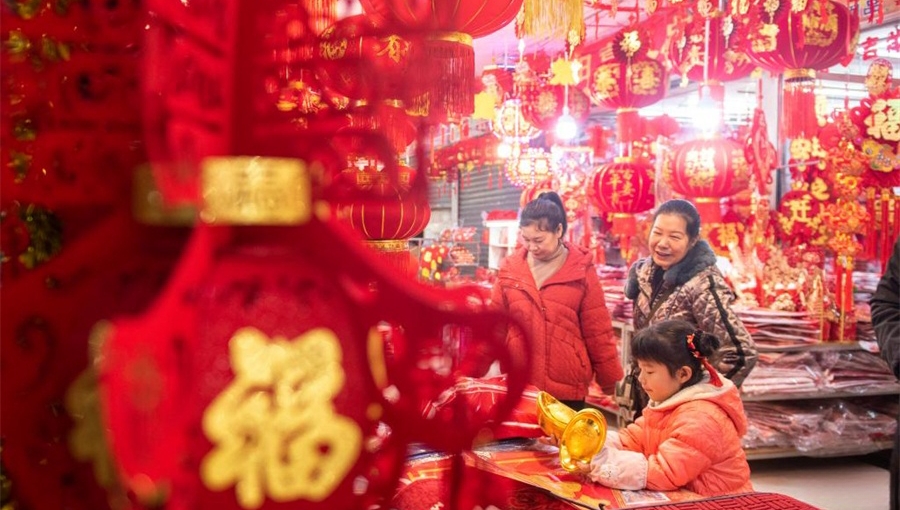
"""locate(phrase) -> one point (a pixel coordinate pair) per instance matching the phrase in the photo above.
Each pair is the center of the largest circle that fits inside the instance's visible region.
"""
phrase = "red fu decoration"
(725, 61)
(707, 171)
(447, 71)
(798, 38)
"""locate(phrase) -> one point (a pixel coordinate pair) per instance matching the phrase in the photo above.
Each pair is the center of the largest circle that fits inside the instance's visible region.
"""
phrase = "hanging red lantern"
(542, 105)
(363, 62)
(706, 171)
(726, 61)
(799, 38)
(384, 212)
(447, 71)
(623, 76)
(622, 186)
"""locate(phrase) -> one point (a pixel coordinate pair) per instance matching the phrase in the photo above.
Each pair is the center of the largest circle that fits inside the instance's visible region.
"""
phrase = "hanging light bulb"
(504, 150)
(566, 127)
(708, 113)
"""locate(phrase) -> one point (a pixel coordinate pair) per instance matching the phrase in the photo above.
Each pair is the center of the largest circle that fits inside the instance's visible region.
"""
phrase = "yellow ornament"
(561, 72)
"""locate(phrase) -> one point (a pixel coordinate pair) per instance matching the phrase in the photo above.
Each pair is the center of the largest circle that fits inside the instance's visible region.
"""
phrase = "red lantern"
(447, 71)
(623, 186)
(362, 62)
(798, 42)
(623, 77)
(726, 60)
(542, 105)
(706, 171)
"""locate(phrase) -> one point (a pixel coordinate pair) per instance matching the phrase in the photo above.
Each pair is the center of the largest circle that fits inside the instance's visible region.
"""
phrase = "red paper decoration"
(706, 171)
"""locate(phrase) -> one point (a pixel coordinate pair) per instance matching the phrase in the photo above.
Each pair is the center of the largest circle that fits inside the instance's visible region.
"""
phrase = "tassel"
(628, 125)
(544, 19)
(799, 111)
(448, 76)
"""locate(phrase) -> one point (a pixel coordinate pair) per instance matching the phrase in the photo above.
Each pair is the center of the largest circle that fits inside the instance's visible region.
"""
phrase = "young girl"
(689, 435)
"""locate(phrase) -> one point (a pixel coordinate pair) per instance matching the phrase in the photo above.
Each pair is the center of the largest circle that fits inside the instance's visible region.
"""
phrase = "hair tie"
(713, 375)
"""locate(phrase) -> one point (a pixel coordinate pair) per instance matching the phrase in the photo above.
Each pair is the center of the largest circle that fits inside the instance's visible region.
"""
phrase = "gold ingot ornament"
(580, 435)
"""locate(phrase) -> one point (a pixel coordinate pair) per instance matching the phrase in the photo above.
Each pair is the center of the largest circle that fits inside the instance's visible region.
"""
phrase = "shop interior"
(249, 247)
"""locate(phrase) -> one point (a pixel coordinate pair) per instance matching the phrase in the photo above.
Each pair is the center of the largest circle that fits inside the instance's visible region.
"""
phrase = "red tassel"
(448, 76)
(799, 113)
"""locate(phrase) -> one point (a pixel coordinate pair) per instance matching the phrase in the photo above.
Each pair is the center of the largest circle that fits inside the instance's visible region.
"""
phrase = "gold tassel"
(548, 18)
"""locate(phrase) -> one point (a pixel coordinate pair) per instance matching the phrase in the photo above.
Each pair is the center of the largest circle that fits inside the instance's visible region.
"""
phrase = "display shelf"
(840, 451)
(821, 346)
(820, 394)
(502, 240)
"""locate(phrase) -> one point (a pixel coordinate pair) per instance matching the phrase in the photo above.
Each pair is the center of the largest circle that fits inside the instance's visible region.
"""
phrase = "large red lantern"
(798, 38)
(623, 77)
(708, 52)
(385, 214)
(447, 72)
(362, 62)
(706, 171)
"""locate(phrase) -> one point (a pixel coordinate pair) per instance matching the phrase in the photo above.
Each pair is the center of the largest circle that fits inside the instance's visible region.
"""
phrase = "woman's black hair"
(546, 211)
(666, 342)
(684, 209)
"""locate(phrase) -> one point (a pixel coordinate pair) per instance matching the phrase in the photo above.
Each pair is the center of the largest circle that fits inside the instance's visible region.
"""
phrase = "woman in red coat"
(552, 288)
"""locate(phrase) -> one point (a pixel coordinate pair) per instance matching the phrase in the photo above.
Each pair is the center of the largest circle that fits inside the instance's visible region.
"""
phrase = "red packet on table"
(537, 464)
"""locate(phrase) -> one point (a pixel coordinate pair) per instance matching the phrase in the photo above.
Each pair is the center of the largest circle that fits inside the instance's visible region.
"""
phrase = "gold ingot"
(580, 435)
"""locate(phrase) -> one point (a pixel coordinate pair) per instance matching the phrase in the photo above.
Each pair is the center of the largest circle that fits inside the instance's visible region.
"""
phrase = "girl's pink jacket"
(693, 440)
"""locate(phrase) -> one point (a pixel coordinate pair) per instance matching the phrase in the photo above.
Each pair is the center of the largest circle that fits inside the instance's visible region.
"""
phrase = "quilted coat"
(572, 335)
(694, 290)
(693, 440)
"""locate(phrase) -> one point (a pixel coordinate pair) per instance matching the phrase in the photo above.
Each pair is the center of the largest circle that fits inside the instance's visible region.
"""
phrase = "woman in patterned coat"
(680, 280)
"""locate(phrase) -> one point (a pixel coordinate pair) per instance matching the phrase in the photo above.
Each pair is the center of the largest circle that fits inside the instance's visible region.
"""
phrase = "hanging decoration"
(446, 70)
(529, 166)
(622, 189)
(543, 105)
(707, 171)
(797, 38)
(708, 51)
(624, 74)
(541, 19)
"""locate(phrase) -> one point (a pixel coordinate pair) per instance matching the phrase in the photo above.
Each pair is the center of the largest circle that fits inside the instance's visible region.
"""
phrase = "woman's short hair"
(684, 209)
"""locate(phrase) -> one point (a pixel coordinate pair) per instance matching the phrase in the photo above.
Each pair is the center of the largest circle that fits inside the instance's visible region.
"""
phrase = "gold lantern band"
(456, 37)
(799, 74)
(389, 245)
(148, 206)
(254, 190)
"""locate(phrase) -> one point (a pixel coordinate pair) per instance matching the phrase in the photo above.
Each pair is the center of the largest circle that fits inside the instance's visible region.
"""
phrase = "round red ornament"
(706, 171)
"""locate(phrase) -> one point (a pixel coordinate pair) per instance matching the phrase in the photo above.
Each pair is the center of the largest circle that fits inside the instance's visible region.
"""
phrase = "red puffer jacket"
(571, 330)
